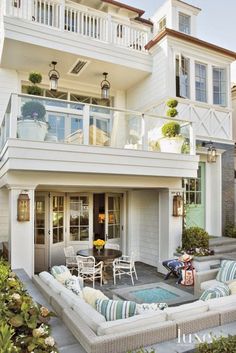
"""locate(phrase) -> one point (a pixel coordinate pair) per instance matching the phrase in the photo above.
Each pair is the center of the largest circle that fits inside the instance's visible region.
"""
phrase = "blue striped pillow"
(227, 271)
(222, 290)
(115, 309)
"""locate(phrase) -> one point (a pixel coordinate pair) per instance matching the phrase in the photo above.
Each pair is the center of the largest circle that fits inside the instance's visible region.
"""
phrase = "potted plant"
(32, 124)
(172, 141)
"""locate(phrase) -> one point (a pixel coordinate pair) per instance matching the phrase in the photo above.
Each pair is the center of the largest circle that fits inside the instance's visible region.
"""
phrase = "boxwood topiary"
(172, 103)
(34, 90)
(195, 237)
(35, 77)
(171, 129)
(172, 112)
(33, 110)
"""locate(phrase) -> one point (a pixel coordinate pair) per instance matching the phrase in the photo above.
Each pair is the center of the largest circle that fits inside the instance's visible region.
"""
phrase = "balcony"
(89, 138)
(70, 17)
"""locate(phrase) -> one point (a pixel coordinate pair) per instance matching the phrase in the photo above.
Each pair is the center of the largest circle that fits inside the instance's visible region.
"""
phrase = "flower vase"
(99, 248)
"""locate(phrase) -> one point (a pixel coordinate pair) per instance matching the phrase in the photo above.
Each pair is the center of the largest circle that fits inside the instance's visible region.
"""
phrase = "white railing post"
(109, 34)
(62, 16)
(144, 133)
(13, 115)
(28, 11)
(86, 117)
(192, 139)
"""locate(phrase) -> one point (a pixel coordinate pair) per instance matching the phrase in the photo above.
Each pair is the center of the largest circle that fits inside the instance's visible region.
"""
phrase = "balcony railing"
(90, 23)
(60, 121)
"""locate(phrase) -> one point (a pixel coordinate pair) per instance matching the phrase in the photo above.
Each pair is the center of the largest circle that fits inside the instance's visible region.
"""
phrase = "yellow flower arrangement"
(99, 243)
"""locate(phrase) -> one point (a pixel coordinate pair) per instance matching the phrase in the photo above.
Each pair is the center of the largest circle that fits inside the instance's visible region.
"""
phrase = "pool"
(154, 295)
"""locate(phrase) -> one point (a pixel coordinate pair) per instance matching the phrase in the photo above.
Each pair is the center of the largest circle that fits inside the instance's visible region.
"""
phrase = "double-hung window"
(201, 82)
(182, 77)
(162, 24)
(184, 23)
(219, 86)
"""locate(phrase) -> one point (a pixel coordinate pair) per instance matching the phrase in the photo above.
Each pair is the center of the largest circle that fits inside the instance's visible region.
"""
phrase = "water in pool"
(154, 295)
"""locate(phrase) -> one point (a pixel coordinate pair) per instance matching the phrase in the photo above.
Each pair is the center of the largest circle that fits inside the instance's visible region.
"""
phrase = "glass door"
(78, 218)
(57, 229)
(113, 223)
(41, 238)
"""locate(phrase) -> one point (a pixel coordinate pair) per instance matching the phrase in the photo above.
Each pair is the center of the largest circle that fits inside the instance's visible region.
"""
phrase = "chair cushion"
(227, 271)
(88, 314)
(115, 309)
(209, 284)
(232, 287)
(90, 295)
(186, 310)
(73, 284)
(46, 276)
(222, 290)
(150, 307)
(61, 273)
(131, 323)
(218, 303)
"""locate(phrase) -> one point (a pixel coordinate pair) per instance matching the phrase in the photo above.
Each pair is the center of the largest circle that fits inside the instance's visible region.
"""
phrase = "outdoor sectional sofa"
(97, 335)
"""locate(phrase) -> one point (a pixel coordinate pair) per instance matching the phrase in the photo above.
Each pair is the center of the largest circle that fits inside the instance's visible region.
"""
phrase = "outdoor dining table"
(105, 255)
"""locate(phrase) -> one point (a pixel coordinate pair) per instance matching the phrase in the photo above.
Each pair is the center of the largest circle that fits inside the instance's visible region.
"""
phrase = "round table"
(104, 255)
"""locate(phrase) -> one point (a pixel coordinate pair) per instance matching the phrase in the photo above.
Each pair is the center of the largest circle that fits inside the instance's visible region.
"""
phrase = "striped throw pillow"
(227, 271)
(115, 309)
(222, 290)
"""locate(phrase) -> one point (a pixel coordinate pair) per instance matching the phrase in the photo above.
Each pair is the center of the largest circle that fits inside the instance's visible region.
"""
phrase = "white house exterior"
(98, 171)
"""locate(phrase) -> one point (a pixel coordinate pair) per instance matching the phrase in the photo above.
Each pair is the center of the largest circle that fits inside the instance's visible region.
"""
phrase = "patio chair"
(124, 265)
(70, 256)
(87, 268)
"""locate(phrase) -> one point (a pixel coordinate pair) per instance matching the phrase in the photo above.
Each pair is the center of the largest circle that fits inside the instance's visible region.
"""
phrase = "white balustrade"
(75, 18)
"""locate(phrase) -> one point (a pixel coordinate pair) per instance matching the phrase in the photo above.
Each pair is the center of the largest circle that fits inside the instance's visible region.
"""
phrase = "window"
(219, 86)
(194, 189)
(17, 3)
(182, 77)
(79, 218)
(162, 24)
(184, 23)
(201, 82)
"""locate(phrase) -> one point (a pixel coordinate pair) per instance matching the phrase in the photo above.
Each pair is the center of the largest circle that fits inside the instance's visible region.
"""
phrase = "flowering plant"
(99, 243)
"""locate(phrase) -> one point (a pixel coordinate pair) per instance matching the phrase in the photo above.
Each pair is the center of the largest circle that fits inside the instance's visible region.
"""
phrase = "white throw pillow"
(232, 287)
(90, 295)
(73, 284)
(150, 308)
(62, 277)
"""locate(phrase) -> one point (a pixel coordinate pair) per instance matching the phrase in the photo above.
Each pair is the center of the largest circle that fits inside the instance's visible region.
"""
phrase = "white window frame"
(186, 27)
(206, 82)
(221, 92)
(184, 86)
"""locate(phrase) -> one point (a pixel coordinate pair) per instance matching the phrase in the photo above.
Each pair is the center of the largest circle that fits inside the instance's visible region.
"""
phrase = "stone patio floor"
(66, 342)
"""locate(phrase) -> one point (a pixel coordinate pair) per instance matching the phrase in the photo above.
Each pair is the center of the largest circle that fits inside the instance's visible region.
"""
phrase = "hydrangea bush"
(24, 324)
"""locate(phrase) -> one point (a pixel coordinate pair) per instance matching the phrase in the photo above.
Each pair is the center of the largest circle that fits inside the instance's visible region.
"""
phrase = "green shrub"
(33, 110)
(220, 345)
(195, 237)
(172, 112)
(34, 90)
(6, 343)
(230, 231)
(171, 129)
(35, 77)
(172, 103)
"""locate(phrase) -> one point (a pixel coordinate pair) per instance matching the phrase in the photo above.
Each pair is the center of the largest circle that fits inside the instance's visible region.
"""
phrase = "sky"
(216, 21)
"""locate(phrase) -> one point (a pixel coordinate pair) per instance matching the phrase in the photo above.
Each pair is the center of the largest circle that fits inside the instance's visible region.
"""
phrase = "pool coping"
(126, 293)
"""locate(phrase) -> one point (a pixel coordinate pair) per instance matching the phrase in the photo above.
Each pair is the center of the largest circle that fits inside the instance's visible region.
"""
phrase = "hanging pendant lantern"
(53, 77)
(105, 87)
(178, 205)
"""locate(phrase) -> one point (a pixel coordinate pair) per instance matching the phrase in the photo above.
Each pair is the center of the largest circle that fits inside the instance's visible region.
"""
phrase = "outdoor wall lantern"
(53, 77)
(211, 153)
(105, 87)
(178, 205)
(23, 207)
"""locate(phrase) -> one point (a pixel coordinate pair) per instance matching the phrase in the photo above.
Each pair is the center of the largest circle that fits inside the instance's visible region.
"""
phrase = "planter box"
(32, 130)
(171, 144)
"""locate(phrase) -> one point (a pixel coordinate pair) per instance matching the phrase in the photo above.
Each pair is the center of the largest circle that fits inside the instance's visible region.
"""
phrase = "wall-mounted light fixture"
(53, 76)
(23, 207)
(211, 151)
(105, 87)
(178, 205)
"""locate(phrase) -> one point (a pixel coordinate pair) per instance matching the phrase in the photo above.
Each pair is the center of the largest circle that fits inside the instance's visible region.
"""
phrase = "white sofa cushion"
(131, 323)
(217, 303)
(56, 286)
(186, 310)
(69, 297)
(209, 284)
(46, 276)
(92, 318)
(90, 295)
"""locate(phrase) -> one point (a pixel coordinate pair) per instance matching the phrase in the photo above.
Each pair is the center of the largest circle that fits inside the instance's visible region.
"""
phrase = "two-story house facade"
(97, 170)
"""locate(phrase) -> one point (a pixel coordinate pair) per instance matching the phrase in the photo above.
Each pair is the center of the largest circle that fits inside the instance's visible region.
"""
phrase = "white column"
(170, 228)
(21, 237)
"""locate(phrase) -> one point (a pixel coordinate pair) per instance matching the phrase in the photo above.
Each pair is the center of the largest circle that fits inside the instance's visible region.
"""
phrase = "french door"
(113, 218)
(57, 229)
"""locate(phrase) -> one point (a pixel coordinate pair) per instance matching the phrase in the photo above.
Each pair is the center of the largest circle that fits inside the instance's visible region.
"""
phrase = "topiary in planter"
(171, 129)
(195, 237)
(33, 110)
(34, 90)
(172, 112)
(172, 103)
(35, 77)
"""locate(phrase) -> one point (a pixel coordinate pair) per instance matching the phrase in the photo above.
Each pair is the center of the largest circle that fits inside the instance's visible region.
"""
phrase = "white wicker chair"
(87, 268)
(70, 256)
(124, 265)
(112, 246)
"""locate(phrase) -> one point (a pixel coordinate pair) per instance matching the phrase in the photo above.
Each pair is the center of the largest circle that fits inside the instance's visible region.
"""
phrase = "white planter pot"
(32, 130)
(171, 144)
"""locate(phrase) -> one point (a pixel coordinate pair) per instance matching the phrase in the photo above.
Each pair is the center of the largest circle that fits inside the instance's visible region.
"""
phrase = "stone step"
(215, 242)
(225, 249)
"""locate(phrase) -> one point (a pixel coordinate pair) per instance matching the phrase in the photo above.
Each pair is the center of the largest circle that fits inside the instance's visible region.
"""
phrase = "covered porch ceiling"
(25, 57)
